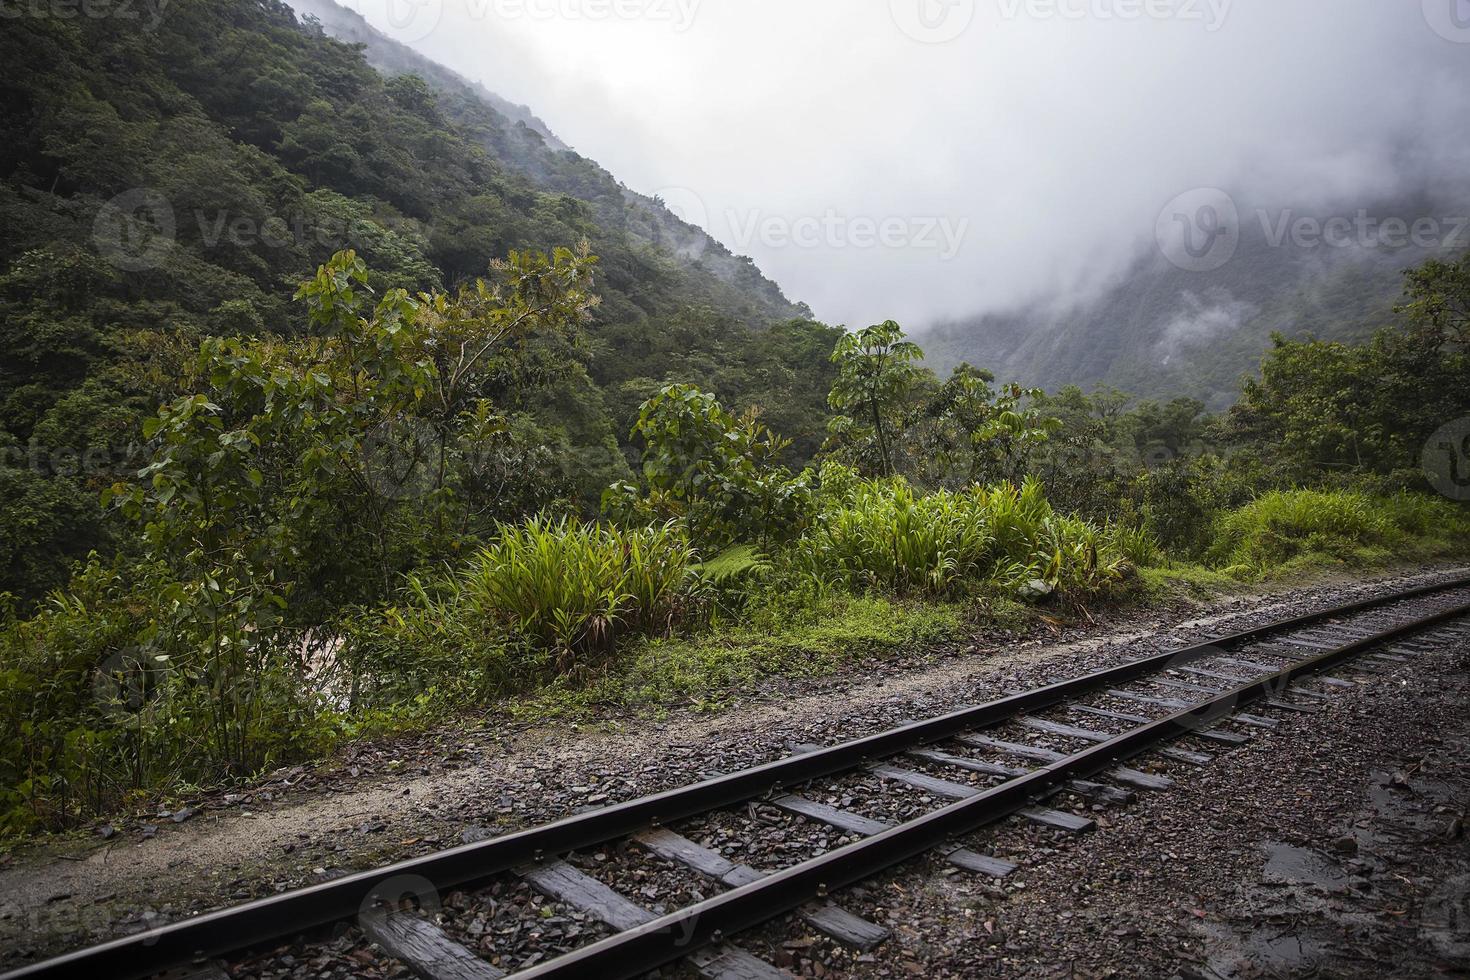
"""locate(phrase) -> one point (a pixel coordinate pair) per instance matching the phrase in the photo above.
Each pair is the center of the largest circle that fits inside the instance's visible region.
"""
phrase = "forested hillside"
(1163, 331)
(172, 178)
(337, 403)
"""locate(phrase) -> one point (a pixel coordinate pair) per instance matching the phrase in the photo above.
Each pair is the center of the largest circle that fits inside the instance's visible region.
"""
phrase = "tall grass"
(573, 588)
(1301, 526)
(883, 534)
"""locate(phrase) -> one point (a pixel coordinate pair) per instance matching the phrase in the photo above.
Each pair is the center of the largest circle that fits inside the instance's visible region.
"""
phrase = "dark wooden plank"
(1114, 715)
(1301, 709)
(857, 824)
(1214, 675)
(1141, 780)
(740, 875)
(195, 971)
(731, 963)
(1173, 703)
(843, 926)
(964, 762)
(1223, 738)
(1255, 721)
(1059, 820)
(1101, 792)
(681, 850)
(1337, 682)
(1174, 685)
(836, 922)
(1066, 731)
(1010, 748)
(1247, 664)
(980, 863)
(925, 782)
(1184, 755)
(423, 947)
(561, 881)
(853, 823)
(1308, 644)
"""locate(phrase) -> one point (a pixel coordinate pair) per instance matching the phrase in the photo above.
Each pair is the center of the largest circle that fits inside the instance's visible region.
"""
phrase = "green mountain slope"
(164, 178)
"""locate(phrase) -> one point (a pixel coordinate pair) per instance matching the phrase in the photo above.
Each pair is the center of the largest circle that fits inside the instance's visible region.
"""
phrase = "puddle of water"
(1262, 950)
(1290, 865)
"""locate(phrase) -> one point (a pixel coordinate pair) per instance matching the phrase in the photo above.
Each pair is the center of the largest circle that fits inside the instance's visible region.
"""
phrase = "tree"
(716, 473)
(877, 370)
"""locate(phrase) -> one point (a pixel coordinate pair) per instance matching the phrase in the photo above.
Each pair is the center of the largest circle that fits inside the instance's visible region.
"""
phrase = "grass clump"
(573, 588)
(808, 636)
(1291, 530)
(885, 535)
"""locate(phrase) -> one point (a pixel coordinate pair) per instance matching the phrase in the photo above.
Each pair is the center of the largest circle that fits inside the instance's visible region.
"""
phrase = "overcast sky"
(928, 159)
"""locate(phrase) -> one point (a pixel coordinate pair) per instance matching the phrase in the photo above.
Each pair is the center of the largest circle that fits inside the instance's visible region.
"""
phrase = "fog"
(932, 159)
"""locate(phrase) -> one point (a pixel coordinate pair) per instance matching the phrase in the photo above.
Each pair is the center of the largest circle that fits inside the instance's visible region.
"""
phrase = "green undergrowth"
(1287, 534)
(783, 640)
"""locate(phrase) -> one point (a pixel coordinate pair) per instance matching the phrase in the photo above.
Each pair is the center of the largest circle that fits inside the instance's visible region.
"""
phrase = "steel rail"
(673, 936)
(257, 923)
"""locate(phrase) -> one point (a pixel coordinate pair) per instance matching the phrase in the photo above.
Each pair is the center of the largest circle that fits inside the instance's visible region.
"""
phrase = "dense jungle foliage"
(358, 411)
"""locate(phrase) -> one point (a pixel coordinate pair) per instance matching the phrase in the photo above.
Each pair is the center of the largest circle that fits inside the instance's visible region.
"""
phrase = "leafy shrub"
(1292, 525)
(884, 534)
(713, 472)
(130, 683)
(574, 588)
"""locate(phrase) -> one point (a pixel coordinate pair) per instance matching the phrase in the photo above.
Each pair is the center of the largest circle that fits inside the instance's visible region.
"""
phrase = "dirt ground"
(1333, 846)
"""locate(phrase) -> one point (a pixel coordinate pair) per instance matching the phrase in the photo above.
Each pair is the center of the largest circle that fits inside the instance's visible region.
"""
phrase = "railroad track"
(982, 765)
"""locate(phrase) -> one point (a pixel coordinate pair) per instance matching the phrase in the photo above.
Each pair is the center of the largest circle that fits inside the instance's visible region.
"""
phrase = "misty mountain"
(526, 145)
(1162, 330)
